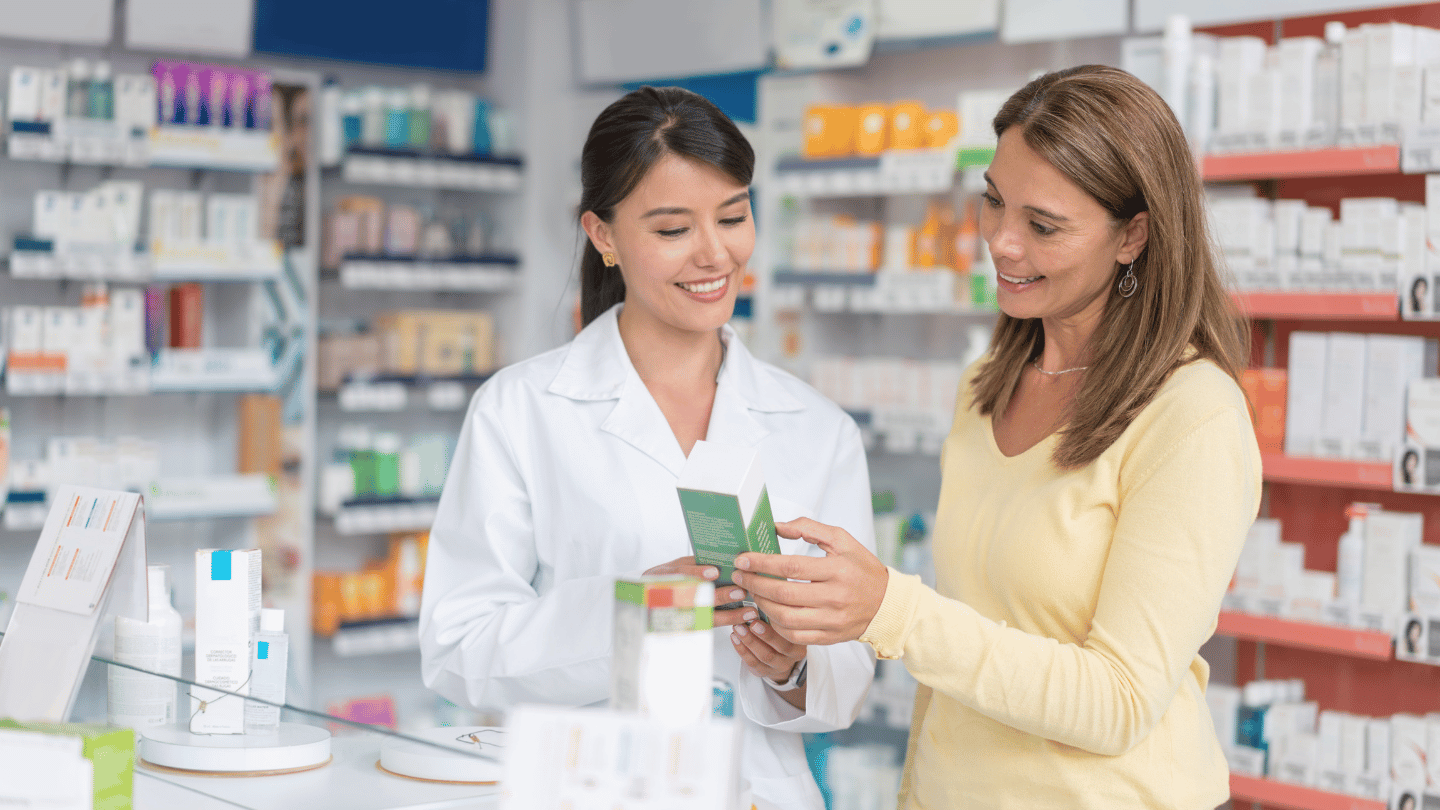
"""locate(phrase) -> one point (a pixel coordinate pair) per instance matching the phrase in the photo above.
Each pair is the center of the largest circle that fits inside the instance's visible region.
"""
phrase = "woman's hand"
(766, 652)
(839, 595)
(724, 594)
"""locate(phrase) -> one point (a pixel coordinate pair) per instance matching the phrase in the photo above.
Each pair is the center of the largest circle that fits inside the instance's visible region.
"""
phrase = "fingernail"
(737, 578)
(740, 630)
(736, 594)
(759, 629)
(750, 616)
(711, 573)
(734, 639)
(743, 563)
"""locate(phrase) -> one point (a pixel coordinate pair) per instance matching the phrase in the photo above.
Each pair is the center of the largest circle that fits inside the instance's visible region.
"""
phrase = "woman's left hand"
(840, 594)
(766, 652)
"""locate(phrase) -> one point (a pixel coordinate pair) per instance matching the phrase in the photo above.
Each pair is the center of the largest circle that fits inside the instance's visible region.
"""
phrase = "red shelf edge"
(1307, 635)
(1328, 471)
(1297, 797)
(1273, 305)
(1360, 160)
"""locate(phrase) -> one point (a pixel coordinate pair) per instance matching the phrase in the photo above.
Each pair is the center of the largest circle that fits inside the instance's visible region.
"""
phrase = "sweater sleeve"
(1178, 533)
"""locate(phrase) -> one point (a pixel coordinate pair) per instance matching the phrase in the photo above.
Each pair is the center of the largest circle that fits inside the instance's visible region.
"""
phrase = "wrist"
(796, 679)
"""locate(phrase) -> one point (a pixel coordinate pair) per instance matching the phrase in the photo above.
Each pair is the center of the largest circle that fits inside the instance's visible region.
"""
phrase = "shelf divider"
(1327, 471)
(1349, 641)
(1353, 160)
(1290, 305)
(1295, 797)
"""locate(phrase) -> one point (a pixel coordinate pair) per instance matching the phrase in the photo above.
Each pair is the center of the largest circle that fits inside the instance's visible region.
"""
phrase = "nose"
(1001, 237)
(710, 247)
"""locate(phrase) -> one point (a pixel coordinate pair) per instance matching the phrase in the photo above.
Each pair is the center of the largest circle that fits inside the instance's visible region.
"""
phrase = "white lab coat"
(564, 478)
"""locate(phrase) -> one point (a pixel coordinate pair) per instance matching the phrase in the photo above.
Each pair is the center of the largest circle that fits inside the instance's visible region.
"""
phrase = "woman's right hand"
(724, 594)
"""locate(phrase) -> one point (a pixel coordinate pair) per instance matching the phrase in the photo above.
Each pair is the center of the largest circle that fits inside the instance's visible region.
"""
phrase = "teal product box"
(726, 506)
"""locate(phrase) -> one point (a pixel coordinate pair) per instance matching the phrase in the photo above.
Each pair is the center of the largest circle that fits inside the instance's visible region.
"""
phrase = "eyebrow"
(1041, 211)
(657, 212)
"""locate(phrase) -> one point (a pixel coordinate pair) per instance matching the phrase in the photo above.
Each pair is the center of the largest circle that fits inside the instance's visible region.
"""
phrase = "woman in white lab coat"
(565, 472)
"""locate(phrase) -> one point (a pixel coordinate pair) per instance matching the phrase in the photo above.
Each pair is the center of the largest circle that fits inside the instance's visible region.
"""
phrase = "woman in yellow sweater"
(1096, 488)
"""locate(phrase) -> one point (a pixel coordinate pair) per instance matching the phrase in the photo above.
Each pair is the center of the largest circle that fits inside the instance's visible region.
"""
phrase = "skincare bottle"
(352, 114)
(138, 700)
(215, 107)
(332, 124)
(1326, 102)
(267, 673)
(1350, 562)
(235, 102)
(192, 96)
(420, 116)
(169, 98)
(397, 118)
(372, 130)
(101, 102)
(77, 89)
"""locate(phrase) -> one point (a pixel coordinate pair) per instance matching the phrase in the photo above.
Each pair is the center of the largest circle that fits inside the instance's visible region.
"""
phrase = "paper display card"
(192, 26)
(1040, 20)
(1417, 462)
(727, 508)
(627, 40)
(822, 33)
(88, 567)
(83, 21)
(572, 758)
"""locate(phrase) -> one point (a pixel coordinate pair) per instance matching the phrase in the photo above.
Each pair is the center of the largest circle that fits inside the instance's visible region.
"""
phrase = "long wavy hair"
(626, 140)
(1116, 139)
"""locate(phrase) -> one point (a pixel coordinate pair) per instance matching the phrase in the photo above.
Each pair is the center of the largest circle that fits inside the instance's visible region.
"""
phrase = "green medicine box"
(111, 751)
(727, 508)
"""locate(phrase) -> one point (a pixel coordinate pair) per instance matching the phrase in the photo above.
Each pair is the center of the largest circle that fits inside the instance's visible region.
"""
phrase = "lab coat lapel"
(597, 368)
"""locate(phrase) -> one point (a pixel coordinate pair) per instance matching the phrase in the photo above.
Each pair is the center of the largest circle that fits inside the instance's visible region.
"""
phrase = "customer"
(567, 463)
(1097, 485)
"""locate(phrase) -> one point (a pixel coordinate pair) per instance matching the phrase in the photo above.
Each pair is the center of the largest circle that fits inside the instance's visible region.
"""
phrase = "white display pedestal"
(294, 747)
(419, 761)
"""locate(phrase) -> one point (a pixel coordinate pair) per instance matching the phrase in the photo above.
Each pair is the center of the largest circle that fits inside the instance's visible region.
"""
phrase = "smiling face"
(1055, 248)
(682, 238)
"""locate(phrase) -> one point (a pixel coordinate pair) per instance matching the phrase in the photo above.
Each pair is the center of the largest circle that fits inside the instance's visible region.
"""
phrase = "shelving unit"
(1338, 162)
(1295, 797)
(1348, 641)
(1319, 306)
(480, 274)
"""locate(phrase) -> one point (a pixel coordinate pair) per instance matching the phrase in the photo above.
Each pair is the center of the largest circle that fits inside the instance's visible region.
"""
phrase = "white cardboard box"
(227, 615)
(1305, 395)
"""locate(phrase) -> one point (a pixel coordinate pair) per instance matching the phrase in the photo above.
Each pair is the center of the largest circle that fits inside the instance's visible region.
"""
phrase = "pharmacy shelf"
(1358, 160)
(1347, 641)
(376, 637)
(1327, 471)
(381, 516)
(920, 171)
(171, 499)
(1279, 305)
(479, 274)
(37, 259)
(414, 169)
(1295, 797)
(806, 278)
(388, 393)
(201, 148)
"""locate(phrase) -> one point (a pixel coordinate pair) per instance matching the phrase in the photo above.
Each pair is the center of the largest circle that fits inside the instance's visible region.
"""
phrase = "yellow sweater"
(1057, 657)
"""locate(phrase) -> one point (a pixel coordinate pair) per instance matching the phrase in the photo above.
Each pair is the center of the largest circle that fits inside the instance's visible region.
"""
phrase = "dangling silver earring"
(1128, 283)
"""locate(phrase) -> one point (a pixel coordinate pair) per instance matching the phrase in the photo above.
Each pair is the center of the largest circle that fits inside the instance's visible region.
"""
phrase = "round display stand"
(294, 747)
(457, 764)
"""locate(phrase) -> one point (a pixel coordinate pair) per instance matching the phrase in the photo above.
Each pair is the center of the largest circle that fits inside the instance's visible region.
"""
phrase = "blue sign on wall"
(443, 34)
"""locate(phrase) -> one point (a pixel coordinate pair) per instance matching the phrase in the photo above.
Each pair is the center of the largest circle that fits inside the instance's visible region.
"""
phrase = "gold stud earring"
(609, 259)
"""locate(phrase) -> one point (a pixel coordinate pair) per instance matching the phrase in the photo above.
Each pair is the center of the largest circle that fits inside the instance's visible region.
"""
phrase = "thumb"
(831, 539)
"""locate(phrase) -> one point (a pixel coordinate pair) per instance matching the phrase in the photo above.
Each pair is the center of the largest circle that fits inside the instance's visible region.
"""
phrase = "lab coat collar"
(597, 368)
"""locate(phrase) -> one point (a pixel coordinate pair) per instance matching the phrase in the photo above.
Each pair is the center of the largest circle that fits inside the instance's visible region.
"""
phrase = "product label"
(717, 531)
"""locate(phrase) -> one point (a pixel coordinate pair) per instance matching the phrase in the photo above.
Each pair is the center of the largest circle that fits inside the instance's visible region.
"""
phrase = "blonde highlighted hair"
(1116, 139)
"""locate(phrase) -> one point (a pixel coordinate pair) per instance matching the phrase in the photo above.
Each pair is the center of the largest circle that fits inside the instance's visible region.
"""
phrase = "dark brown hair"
(628, 138)
(1116, 139)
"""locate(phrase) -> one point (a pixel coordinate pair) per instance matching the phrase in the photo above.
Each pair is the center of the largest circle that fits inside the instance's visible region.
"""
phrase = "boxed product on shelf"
(386, 588)
(838, 130)
(362, 226)
(96, 347)
(203, 95)
(377, 466)
(418, 118)
(440, 343)
(1417, 462)
(67, 765)
(341, 356)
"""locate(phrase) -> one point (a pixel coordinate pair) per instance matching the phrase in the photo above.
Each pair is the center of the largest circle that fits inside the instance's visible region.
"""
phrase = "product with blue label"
(227, 614)
(267, 673)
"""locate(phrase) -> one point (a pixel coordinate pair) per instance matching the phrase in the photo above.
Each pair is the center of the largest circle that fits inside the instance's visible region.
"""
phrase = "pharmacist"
(566, 468)
(1096, 488)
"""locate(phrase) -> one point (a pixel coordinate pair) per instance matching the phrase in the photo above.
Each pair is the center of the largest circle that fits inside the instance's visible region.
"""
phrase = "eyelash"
(1042, 230)
(674, 232)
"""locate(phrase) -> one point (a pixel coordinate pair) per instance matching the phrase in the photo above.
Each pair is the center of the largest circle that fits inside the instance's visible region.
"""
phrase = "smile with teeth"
(1014, 280)
(703, 287)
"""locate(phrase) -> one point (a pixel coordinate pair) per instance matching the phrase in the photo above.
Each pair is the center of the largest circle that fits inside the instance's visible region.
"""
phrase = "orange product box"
(873, 129)
(1265, 388)
(187, 315)
(940, 127)
(907, 125)
(325, 604)
(260, 427)
(344, 355)
(829, 131)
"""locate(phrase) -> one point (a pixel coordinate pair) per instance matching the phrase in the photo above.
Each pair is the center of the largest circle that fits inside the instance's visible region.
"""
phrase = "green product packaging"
(111, 751)
(727, 508)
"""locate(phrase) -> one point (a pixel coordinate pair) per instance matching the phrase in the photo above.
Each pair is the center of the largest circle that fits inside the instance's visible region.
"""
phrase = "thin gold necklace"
(1036, 364)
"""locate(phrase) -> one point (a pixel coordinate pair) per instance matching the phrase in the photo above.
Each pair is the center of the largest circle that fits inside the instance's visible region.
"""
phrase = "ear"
(1136, 234)
(598, 231)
